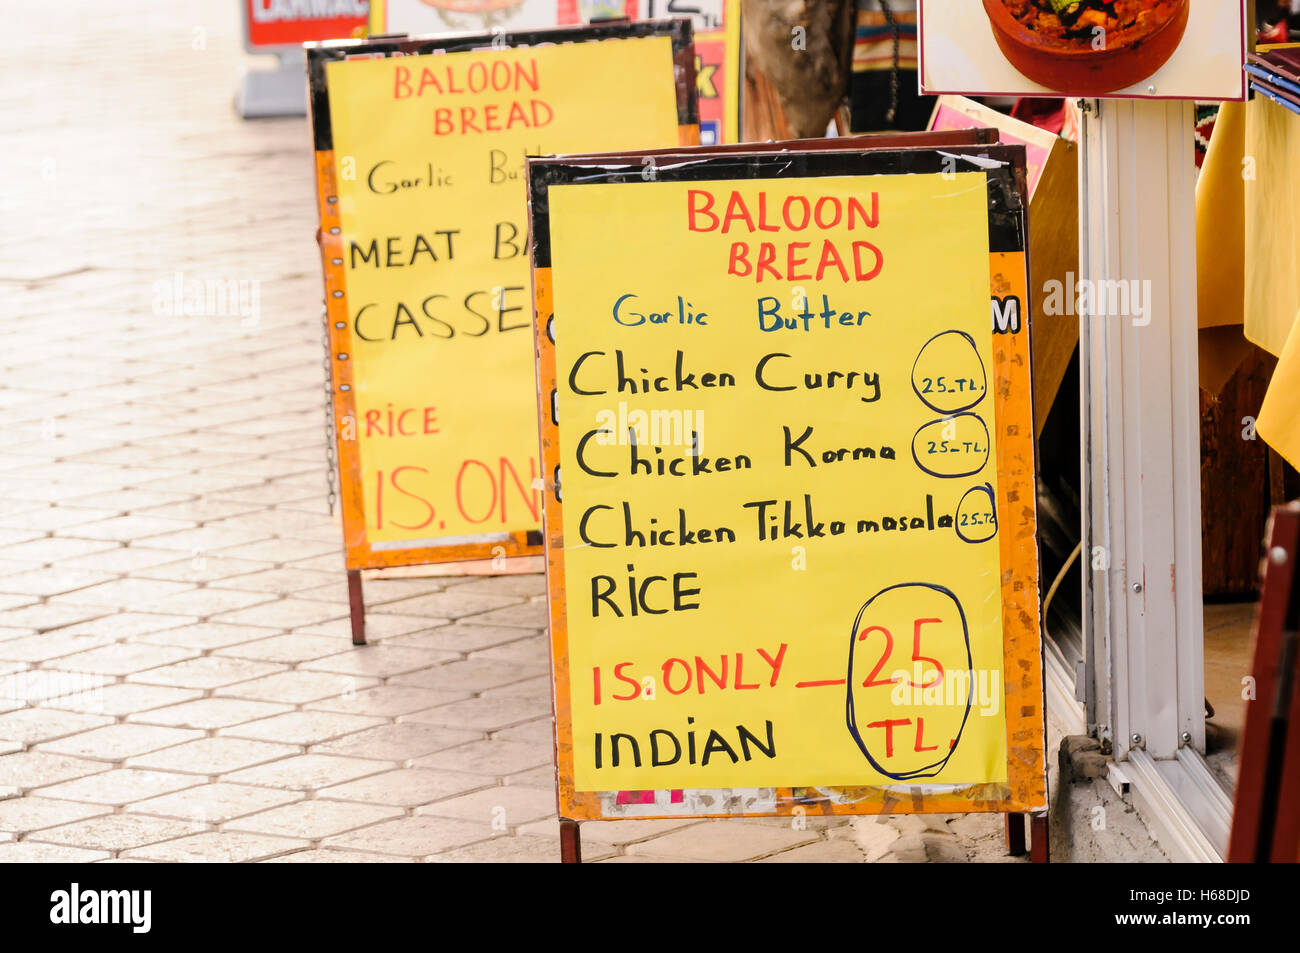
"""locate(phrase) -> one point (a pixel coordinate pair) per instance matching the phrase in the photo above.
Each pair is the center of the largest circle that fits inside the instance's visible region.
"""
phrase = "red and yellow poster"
(427, 230)
(791, 545)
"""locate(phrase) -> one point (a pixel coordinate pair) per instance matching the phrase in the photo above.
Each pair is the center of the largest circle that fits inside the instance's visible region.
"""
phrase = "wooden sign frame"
(1265, 823)
(1025, 789)
(359, 552)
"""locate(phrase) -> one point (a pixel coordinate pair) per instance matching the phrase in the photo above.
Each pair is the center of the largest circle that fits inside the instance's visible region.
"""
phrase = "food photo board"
(1150, 49)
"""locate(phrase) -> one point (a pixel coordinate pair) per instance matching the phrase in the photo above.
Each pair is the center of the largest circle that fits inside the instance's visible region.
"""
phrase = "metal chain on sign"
(892, 23)
(331, 459)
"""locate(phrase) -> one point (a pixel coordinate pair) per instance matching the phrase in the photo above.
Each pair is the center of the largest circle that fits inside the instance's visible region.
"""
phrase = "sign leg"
(570, 842)
(1015, 835)
(357, 606)
(1038, 838)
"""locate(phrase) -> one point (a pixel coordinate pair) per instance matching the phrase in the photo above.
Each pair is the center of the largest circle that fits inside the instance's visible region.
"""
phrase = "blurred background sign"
(282, 27)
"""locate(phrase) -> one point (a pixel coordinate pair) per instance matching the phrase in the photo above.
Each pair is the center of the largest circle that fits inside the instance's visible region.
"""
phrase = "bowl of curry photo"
(1088, 47)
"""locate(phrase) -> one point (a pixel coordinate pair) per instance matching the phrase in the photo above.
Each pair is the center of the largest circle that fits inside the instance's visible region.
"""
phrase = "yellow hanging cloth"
(1272, 288)
(1221, 250)
(1272, 285)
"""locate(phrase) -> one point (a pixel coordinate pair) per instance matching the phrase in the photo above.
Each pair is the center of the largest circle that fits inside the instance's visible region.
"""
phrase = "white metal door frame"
(1140, 406)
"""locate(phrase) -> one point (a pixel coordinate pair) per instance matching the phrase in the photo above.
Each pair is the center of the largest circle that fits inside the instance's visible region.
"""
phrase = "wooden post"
(357, 606)
(1039, 834)
(1015, 834)
(570, 842)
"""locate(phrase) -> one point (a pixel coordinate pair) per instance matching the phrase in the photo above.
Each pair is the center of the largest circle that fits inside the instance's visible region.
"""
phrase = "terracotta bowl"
(1074, 67)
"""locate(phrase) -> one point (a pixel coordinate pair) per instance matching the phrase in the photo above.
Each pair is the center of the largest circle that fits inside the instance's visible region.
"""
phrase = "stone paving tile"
(118, 742)
(469, 675)
(381, 661)
(456, 637)
(9, 632)
(215, 803)
(51, 582)
(12, 601)
(34, 769)
(448, 605)
(211, 847)
(285, 648)
(298, 687)
(281, 581)
(538, 689)
(115, 832)
(542, 776)
(724, 841)
(612, 833)
(126, 528)
(521, 586)
(205, 540)
(207, 672)
(643, 859)
(302, 727)
(542, 730)
(387, 700)
(124, 594)
(377, 626)
(28, 852)
(212, 756)
(120, 786)
(412, 836)
(334, 592)
(280, 550)
(122, 559)
(57, 517)
(489, 757)
(209, 713)
(482, 713)
(315, 819)
(48, 616)
(308, 772)
(283, 614)
(407, 787)
(123, 659)
(50, 646)
(530, 615)
(203, 568)
(127, 624)
(22, 815)
(210, 602)
(400, 742)
(209, 635)
(8, 536)
(327, 856)
(533, 650)
(521, 849)
(51, 548)
(200, 510)
(30, 726)
(838, 851)
(119, 700)
(497, 807)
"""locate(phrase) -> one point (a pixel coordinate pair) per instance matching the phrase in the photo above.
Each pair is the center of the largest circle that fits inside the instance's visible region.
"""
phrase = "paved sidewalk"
(176, 678)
